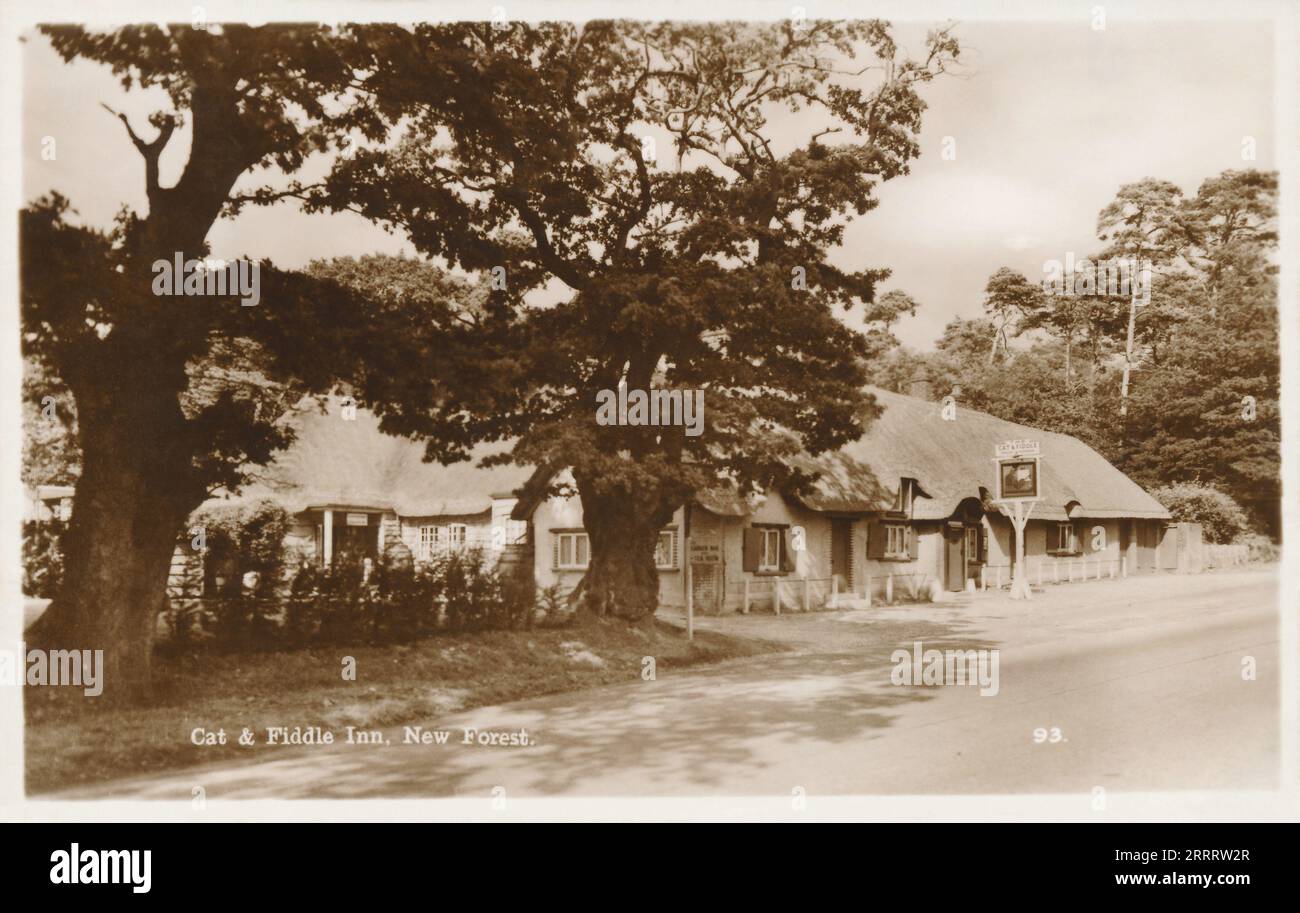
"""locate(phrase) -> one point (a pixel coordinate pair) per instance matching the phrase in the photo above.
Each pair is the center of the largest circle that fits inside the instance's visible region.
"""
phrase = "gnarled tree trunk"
(623, 530)
(130, 506)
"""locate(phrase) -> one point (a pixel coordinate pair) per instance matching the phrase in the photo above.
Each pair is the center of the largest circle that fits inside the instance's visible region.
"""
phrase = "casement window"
(1062, 540)
(891, 541)
(666, 550)
(436, 541)
(456, 536)
(895, 540)
(766, 550)
(572, 550)
(769, 556)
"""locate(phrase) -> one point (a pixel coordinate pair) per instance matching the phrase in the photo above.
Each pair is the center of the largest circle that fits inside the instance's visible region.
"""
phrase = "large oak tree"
(156, 432)
(529, 154)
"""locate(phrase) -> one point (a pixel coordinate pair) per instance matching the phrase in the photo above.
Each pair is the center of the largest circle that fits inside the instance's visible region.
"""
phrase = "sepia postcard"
(601, 411)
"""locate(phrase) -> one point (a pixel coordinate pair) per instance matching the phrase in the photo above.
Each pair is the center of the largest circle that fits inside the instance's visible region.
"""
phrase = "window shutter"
(913, 551)
(875, 540)
(787, 556)
(752, 546)
(555, 552)
(984, 545)
(675, 558)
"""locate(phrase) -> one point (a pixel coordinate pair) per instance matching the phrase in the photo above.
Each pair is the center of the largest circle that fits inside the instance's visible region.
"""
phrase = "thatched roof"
(337, 463)
(952, 461)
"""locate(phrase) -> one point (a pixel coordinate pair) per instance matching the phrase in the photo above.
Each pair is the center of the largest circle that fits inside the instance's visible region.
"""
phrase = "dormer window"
(903, 499)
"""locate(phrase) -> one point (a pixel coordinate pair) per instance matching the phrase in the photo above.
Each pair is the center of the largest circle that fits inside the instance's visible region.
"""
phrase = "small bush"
(42, 557)
(396, 602)
(1222, 519)
(1261, 548)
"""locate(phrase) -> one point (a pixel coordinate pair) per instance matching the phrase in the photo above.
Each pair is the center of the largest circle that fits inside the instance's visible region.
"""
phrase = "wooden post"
(776, 594)
(328, 529)
(805, 594)
(1113, 568)
(984, 578)
(745, 603)
(835, 591)
(1123, 566)
(867, 592)
(1019, 579)
(1098, 568)
(690, 602)
(688, 576)
(998, 585)
(889, 589)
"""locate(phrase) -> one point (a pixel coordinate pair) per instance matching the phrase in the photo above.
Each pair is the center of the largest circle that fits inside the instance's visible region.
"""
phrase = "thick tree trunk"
(129, 508)
(621, 577)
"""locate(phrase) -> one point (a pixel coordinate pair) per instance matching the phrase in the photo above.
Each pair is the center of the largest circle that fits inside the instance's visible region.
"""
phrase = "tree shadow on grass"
(706, 730)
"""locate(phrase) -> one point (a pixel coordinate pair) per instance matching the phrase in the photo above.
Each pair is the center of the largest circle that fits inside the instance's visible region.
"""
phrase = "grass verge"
(71, 742)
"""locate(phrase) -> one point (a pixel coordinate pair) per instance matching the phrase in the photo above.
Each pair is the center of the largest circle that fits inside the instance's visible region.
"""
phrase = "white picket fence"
(1056, 570)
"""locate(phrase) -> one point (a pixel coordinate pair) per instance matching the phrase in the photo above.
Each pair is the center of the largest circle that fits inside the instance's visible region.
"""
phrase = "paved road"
(1142, 678)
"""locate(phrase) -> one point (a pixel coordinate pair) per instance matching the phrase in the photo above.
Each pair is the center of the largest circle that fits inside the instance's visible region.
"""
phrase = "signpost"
(687, 583)
(1018, 464)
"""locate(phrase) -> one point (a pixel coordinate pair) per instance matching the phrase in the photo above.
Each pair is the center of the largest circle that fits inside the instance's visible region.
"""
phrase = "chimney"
(919, 386)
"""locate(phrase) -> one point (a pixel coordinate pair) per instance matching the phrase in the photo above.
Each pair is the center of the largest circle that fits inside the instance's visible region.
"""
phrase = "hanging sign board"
(1018, 479)
(358, 519)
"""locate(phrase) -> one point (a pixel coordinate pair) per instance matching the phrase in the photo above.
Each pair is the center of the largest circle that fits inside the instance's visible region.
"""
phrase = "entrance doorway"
(840, 552)
(955, 559)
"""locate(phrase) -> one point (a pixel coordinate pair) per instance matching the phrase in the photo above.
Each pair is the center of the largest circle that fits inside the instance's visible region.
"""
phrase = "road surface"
(1133, 685)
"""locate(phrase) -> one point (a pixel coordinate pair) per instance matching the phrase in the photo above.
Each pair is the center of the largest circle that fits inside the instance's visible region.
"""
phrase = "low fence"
(777, 594)
(1054, 570)
(1225, 555)
(802, 594)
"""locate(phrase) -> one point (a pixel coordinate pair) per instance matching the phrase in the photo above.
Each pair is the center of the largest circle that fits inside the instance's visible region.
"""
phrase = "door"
(1169, 547)
(355, 543)
(955, 562)
(1147, 533)
(973, 557)
(840, 552)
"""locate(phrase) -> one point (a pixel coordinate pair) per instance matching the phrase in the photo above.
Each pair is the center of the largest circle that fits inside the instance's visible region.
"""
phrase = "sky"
(1049, 120)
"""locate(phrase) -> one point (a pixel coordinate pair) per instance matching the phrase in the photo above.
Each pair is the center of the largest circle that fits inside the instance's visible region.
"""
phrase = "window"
(666, 550)
(769, 557)
(1061, 539)
(895, 540)
(436, 541)
(428, 541)
(903, 500)
(572, 550)
(972, 543)
(456, 536)
(512, 532)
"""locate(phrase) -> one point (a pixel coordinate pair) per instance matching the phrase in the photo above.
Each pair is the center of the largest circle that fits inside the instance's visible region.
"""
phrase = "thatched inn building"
(903, 512)
(350, 488)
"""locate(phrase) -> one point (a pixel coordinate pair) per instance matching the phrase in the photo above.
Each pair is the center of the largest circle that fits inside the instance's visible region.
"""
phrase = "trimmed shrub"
(1222, 519)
